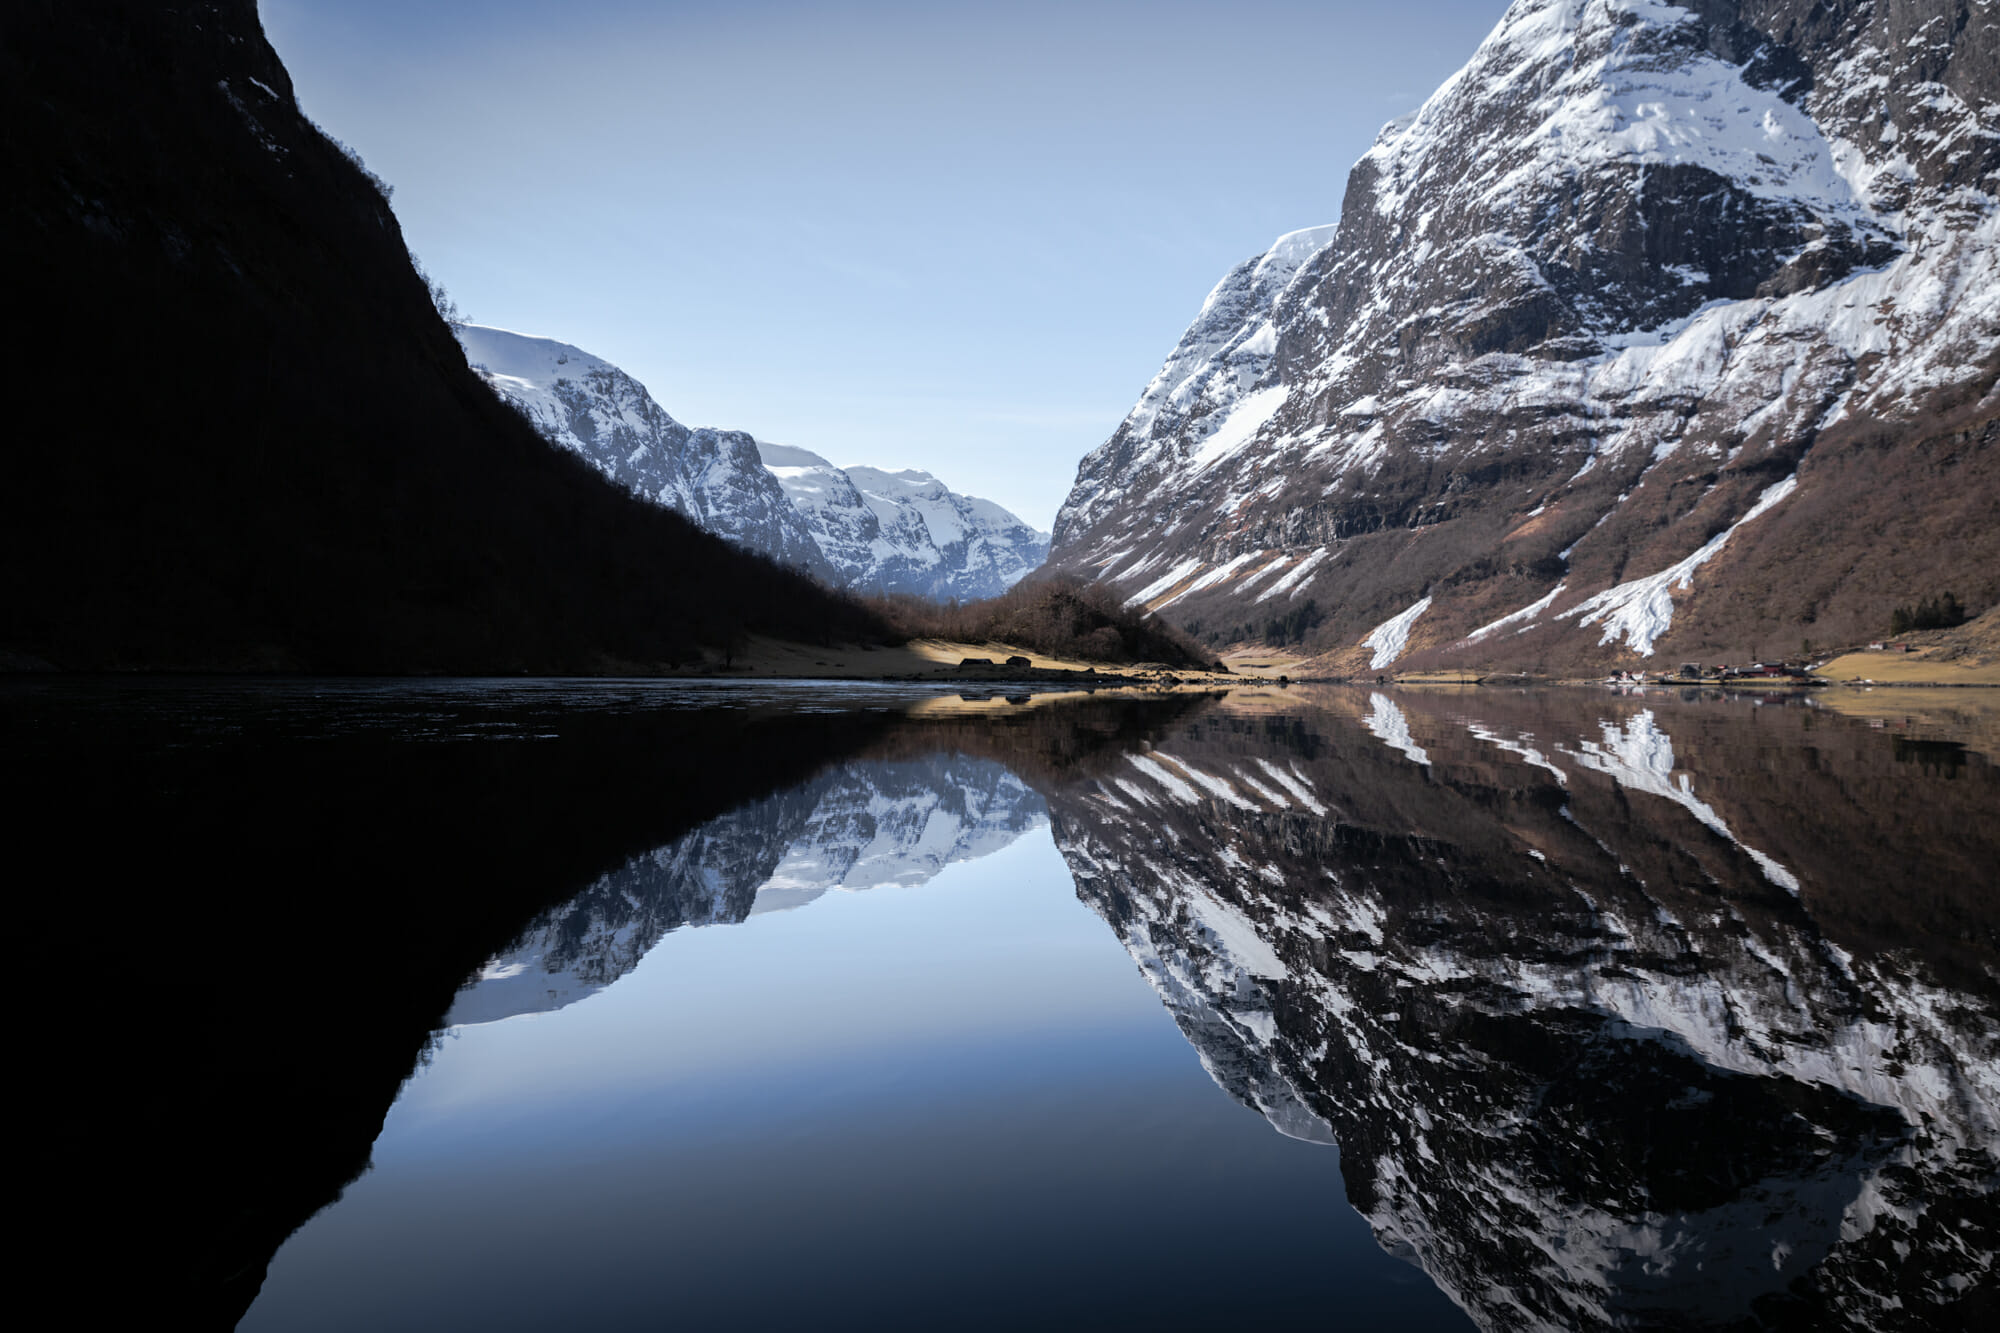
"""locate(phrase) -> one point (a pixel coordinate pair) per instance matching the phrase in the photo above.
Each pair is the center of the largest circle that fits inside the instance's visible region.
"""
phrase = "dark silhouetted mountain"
(252, 441)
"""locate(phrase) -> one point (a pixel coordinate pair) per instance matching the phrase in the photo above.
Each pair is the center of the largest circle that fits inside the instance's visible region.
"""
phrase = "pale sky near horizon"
(958, 237)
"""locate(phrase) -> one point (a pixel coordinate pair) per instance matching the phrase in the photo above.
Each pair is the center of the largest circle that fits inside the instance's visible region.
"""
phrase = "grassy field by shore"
(925, 658)
(1894, 668)
(1967, 654)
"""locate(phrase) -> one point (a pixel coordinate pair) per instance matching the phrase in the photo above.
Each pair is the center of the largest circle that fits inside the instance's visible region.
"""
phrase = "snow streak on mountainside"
(860, 826)
(1594, 1033)
(1632, 267)
(862, 529)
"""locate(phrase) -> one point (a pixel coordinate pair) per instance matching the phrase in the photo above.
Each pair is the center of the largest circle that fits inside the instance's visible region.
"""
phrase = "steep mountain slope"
(1664, 331)
(252, 442)
(1620, 1019)
(847, 530)
(861, 528)
(589, 406)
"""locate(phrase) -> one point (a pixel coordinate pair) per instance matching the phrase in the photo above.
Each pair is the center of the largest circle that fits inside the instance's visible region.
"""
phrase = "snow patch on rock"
(859, 528)
(1641, 610)
(1389, 638)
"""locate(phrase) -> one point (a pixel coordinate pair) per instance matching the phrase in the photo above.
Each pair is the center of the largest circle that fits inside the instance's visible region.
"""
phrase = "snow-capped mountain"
(1619, 1020)
(595, 409)
(860, 826)
(860, 528)
(906, 531)
(1627, 343)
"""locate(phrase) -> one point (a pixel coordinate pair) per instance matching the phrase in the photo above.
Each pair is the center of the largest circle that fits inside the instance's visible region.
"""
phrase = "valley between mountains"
(1656, 334)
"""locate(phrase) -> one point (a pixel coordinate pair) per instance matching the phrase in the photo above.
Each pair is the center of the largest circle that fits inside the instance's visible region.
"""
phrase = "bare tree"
(441, 301)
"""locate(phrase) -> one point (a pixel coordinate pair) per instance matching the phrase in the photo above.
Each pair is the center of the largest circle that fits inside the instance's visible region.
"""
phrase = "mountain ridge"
(857, 826)
(859, 528)
(1632, 268)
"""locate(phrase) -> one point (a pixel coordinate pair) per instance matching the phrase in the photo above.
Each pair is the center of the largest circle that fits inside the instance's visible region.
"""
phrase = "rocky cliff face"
(906, 531)
(860, 826)
(1657, 330)
(1614, 1025)
(858, 528)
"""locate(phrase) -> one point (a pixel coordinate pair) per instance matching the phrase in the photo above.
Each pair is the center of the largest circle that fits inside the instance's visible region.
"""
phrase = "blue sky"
(959, 237)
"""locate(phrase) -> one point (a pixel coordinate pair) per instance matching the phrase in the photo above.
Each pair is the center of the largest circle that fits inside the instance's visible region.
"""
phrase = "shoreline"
(996, 666)
(1111, 676)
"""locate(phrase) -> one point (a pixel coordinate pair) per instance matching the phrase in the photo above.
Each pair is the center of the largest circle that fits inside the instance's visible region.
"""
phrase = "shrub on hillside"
(1294, 627)
(1940, 612)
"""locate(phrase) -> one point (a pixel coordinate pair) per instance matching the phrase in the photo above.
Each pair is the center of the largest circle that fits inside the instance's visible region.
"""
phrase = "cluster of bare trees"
(1059, 616)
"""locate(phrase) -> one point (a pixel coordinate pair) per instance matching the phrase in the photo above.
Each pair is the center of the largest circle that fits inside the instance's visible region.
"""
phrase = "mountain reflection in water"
(1622, 1012)
(861, 825)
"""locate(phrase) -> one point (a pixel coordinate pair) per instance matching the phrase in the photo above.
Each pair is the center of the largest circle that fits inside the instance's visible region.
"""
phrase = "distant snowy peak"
(906, 531)
(861, 528)
(530, 367)
(1630, 268)
(583, 403)
(983, 546)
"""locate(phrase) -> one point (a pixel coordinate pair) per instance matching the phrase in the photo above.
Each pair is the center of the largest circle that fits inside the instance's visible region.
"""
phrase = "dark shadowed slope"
(240, 435)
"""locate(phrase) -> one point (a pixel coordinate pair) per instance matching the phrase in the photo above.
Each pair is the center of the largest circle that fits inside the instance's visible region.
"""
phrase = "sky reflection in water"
(1654, 1011)
(954, 1103)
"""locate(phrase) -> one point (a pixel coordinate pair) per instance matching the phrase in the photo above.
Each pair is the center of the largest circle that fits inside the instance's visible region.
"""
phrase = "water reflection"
(859, 826)
(1624, 1014)
(1635, 1011)
(1638, 1011)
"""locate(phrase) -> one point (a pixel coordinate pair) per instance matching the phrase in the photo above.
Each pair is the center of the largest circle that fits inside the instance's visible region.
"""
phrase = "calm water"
(878, 1008)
